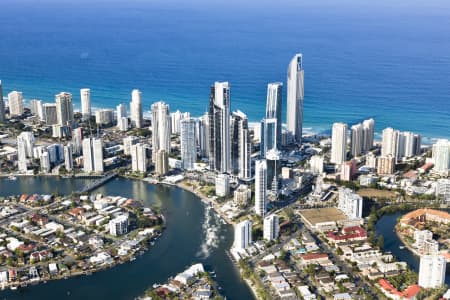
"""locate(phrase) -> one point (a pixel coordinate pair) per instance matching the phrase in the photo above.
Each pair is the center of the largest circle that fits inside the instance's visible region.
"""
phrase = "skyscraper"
(271, 228)
(368, 128)
(77, 140)
(162, 162)
(441, 156)
(350, 203)
(295, 95)
(2, 105)
(85, 95)
(136, 109)
(160, 128)
(202, 135)
(273, 109)
(188, 144)
(356, 139)
(15, 101)
(93, 155)
(260, 187)
(175, 119)
(219, 128)
(138, 158)
(389, 142)
(68, 157)
(64, 108)
(240, 145)
(49, 113)
(269, 138)
(339, 143)
(432, 271)
(242, 235)
(121, 111)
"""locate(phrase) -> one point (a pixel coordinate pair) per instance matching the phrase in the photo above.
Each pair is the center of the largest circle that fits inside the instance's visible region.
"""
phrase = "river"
(193, 234)
(385, 227)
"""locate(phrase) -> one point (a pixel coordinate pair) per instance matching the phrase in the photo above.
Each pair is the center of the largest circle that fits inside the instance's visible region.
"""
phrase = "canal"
(193, 234)
(385, 227)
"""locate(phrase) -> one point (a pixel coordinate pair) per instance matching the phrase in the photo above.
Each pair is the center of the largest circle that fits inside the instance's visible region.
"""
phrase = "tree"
(380, 242)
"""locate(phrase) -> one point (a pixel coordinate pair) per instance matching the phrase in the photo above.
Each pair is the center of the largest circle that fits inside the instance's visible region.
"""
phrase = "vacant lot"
(374, 193)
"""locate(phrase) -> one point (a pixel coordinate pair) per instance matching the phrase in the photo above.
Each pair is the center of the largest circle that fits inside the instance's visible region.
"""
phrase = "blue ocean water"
(386, 60)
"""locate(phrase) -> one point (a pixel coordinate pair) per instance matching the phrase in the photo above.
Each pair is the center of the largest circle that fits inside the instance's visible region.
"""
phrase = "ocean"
(387, 60)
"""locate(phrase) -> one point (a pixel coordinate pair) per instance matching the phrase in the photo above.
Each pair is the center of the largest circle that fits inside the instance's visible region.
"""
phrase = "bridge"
(96, 183)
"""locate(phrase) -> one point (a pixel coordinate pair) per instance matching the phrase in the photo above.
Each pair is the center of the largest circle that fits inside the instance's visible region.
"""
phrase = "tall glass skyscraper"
(295, 95)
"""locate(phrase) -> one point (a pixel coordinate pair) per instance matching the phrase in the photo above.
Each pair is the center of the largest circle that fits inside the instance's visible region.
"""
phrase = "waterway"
(193, 234)
(385, 227)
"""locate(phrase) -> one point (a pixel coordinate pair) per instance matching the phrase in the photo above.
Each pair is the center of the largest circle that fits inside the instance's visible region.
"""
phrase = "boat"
(133, 258)
(13, 287)
(12, 177)
(401, 247)
(156, 285)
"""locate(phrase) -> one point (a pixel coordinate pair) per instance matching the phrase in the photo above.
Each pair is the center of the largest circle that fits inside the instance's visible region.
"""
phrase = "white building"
(175, 119)
(45, 162)
(242, 235)
(356, 139)
(420, 236)
(242, 195)
(295, 95)
(64, 108)
(15, 102)
(260, 187)
(271, 227)
(138, 158)
(2, 105)
(389, 142)
(443, 189)
(368, 128)
(68, 157)
(136, 109)
(160, 128)
(316, 164)
(104, 116)
(339, 143)
(121, 111)
(222, 185)
(93, 155)
(128, 142)
(188, 144)
(350, 203)
(85, 95)
(441, 156)
(119, 225)
(36, 108)
(122, 124)
(432, 271)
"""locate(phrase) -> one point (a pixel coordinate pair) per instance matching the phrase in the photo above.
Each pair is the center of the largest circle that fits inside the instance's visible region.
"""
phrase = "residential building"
(45, 162)
(122, 124)
(242, 195)
(136, 109)
(260, 187)
(188, 143)
(85, 95)
(222, 185)
(443, 189)
(356, 140)
(119, 225)
(2, 105)
(49, 115)
(121, 112)
(162, 162)
(295, 95)
(104, 116)
(127, 143)
(175, 119)
(316, 164)
(64, 108)
(339, 143)
(274, 110)
(441, 157)
(432, 271)
(160, 128)
(219, 128)
(138, 158)
(386, 165)
(350, 203)
(68, 157)
(271, 228)
(368, 128)
(240, 145)
(93, 155)
(242, 235)
(15, 102)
